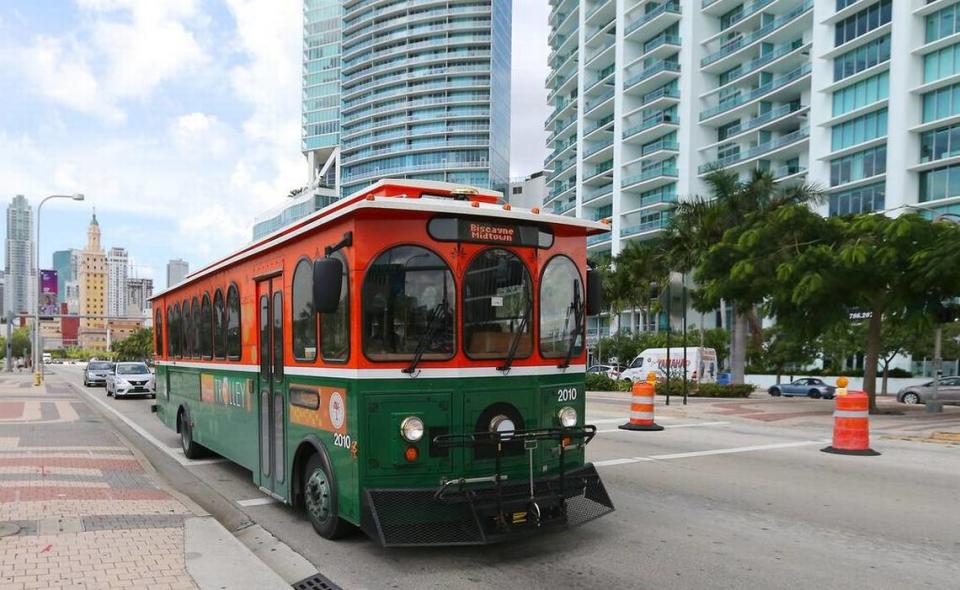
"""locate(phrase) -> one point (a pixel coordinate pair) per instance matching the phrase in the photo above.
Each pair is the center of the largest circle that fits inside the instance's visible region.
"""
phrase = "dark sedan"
(806, 387)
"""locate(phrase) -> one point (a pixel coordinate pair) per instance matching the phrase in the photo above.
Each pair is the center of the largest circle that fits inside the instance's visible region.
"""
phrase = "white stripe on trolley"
(342, 373)
(851, 413)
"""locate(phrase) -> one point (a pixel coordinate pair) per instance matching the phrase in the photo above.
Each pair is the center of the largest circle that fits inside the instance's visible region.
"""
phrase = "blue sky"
(178, 119)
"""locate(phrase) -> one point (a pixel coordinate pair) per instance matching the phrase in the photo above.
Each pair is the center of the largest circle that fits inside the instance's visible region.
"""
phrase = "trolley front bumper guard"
(488, 509)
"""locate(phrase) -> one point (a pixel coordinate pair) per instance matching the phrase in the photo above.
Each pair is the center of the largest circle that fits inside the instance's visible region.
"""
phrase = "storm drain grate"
(316, 582)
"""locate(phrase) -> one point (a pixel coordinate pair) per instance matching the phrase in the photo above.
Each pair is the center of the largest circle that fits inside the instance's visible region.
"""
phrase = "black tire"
(814, 394)
(774, 391)
(910, 398)
(320, 500)
(191, 449)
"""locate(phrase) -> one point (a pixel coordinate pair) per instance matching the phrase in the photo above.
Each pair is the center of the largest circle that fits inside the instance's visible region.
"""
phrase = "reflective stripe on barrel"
(641, 406)
(851, 422)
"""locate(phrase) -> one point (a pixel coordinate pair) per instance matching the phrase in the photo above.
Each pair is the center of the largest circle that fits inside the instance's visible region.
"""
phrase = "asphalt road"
(703, 504)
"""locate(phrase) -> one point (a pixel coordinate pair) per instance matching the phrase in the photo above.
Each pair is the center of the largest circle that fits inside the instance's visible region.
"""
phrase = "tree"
(782, 349)
(137, 346)
(872, 263)
(717, 239)
(21, 342)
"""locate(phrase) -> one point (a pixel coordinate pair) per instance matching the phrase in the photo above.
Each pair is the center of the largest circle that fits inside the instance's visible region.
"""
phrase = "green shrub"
(600, 382)
(898, 372)
(717, 390)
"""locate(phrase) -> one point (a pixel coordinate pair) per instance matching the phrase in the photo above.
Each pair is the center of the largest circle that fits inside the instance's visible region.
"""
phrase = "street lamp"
(37, 378)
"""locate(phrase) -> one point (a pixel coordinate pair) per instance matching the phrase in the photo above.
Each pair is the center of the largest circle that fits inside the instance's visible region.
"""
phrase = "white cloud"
(58, 70)
(122, 50)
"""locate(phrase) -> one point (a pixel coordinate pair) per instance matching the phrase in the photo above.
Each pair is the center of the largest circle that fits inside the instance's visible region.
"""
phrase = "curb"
(215, 558)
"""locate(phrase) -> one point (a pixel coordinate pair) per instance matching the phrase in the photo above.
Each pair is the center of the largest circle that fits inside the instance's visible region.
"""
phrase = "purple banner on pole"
(48, 293)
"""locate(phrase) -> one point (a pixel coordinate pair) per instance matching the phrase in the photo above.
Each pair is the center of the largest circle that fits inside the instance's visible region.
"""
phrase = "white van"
(701, 364)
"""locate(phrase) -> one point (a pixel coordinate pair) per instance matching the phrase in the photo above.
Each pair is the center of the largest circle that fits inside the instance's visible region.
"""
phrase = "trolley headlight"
(411, 429)
(501, 423)
(567, 416)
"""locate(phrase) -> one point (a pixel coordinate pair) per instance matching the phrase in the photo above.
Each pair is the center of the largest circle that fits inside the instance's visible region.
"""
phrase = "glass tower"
(321, 80)
(424, 91)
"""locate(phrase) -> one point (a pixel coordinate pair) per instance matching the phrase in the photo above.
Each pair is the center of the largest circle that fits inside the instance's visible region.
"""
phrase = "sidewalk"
(90, 512)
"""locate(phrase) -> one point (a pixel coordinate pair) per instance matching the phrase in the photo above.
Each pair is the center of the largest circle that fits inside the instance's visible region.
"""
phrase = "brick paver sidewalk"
(90, 516)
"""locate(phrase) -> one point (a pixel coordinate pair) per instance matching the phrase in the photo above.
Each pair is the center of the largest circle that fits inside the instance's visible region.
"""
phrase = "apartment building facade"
(649, 96)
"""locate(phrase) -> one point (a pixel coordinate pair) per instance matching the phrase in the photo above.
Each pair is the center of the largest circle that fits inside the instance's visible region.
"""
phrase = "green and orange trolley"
(408, 360)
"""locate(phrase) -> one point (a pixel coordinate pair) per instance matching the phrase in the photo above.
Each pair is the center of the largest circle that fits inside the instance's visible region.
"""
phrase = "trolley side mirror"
(327, 282)
(594, 292)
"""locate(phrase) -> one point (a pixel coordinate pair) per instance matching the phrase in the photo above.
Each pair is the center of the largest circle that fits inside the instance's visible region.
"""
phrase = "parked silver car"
(96, 373)
(949, 391)
(131, 379)
(806, 387)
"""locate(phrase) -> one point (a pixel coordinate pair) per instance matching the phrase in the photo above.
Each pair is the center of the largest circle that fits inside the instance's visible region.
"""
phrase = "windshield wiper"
(577, 306)
(440, 311)
(508, 362)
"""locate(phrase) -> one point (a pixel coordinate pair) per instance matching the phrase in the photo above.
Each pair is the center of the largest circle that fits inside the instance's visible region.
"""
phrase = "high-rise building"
(177, 269)
(320, 104)
(139, 292)
(401, 89)
(425, 92)
(93, 291)
(67, 265)
(118, 270)
(20, 269)
(648, 97)
(72, 295)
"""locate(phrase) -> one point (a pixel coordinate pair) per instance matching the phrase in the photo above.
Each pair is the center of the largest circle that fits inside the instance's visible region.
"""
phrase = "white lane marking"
(692, 425)
(175, 454)
(256, 502)
(670, 456)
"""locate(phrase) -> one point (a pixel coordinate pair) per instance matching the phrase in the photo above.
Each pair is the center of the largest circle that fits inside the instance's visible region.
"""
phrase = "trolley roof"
(400, 195)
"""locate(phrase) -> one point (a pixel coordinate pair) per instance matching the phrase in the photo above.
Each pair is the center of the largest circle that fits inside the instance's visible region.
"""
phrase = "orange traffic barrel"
(851, 424)
(641, 406)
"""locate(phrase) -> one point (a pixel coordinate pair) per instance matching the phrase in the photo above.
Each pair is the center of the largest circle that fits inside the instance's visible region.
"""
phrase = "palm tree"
(699, 223)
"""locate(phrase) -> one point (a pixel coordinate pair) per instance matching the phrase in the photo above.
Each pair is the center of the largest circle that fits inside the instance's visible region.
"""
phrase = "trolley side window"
(409, 304)
(497, 305)
(233, 323)
(185, 329)
(335, 327)
(265, 337)
(219, 327)
(561, 309)
(206, 328)
(172, 312)
(278, 335)
(158, 329)
(195, 328)
(304, 320)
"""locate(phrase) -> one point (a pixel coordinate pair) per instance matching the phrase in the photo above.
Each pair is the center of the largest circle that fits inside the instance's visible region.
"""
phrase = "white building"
(649, 95)
(528, 192)
(71, 296)
(177, 269)
(139, 292)
(20, 287)
(118, 268)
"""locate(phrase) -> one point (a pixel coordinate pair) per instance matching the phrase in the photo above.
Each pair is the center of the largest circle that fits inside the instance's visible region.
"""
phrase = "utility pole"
(9, 351)
(934, 405)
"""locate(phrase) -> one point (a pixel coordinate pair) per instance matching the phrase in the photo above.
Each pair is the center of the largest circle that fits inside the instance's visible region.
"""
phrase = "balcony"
(597, 193)
(599, 100)
(648, 76)
(598, 239)
(763, 119)
(736, 45)
(666, 169)
(597, 148)
(743, 98)
(661, 223)
(756, 151)
(755, 64)
(400, 170)
(665, 145)
(658, 119)
(672, 9)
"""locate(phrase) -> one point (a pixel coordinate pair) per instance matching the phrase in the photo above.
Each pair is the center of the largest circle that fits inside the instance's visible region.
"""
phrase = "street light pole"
(933, 405)
(37, 356)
